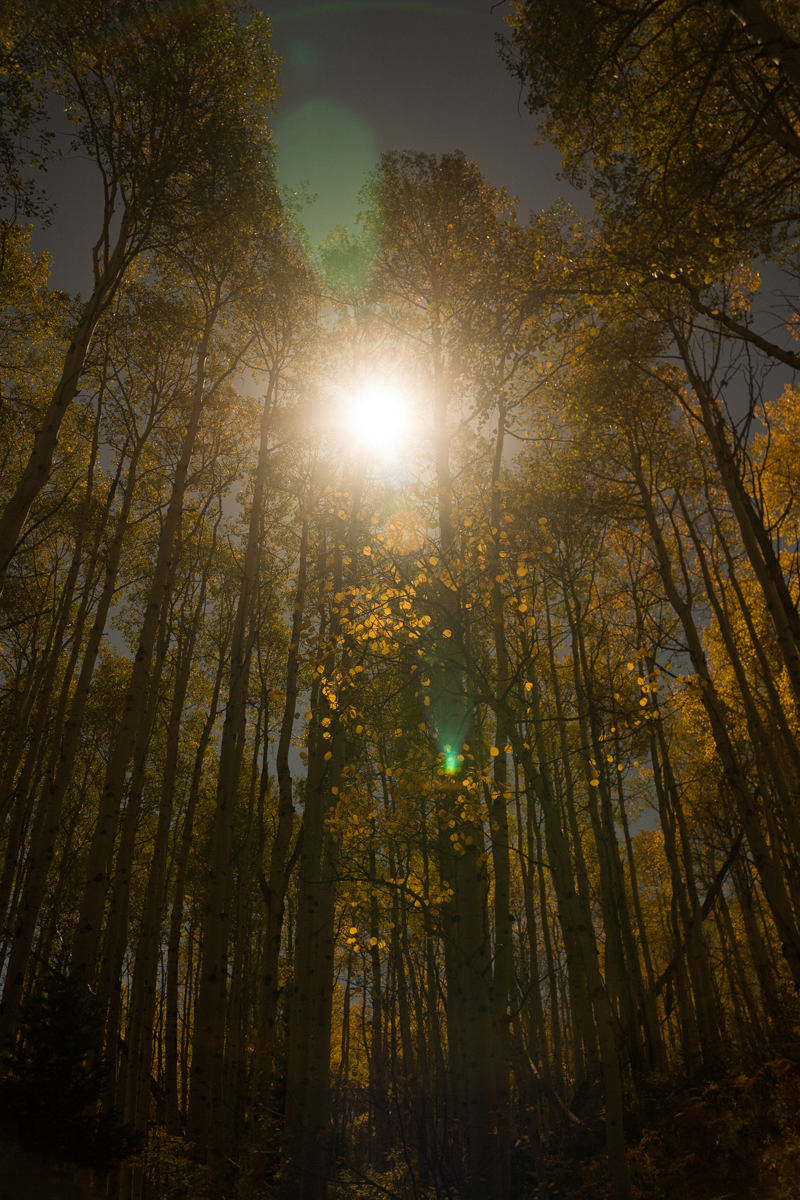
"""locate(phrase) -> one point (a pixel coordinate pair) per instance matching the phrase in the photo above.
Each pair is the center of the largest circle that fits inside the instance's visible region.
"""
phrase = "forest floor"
(28, 1176)
(734, 1137)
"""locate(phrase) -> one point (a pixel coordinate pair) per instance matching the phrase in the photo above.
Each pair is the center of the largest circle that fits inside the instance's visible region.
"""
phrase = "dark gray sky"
(364, 76)
(360, 77)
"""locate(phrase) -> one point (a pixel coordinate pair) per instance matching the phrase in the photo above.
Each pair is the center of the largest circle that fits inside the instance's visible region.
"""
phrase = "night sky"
(360, 77)
(371, 75)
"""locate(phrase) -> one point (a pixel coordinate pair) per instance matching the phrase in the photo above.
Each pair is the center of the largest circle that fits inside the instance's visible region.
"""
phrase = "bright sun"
(379, 417)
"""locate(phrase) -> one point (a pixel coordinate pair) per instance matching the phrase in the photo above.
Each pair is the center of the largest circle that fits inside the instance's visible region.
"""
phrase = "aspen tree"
(171, 1017)
(133, 722)
(134, 1086)
(307, 1115)
(537, 1036)
(43, 687)
(426, 217)
(111, 950)
(768, 866)
(270, 248)
(47, 818)
(572, 919)
(162, 139)
(274, 886)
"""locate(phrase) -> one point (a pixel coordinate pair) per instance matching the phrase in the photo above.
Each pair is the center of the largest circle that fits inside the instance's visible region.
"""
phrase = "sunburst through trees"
(399, 745)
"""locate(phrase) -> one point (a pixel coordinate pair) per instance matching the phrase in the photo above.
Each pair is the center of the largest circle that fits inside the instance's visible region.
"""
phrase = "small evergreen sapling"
(55, 1075)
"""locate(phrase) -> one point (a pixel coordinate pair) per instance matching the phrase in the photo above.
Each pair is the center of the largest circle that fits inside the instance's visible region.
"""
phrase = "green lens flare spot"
(331, 149)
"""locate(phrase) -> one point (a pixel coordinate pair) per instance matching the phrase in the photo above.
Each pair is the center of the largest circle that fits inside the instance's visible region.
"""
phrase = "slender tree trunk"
(38, 700)
(770, 995)
(756, 538)
(766, 747)
(135, 1081)
(130, 727)
(209, 1032)
(115, 939)
(307, 1133)
(620, 943)
(275, 887)
(171, 1056)
(37, 469)
(555, 1018)
(747, 806)
(498, 821)
(572, 919)
(47, 818)
(668, 801)
(655, 1040)
(738, 976)
(538, 1041)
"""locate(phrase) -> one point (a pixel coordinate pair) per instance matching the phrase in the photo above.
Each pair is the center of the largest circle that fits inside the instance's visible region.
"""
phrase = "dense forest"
(400, 676)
